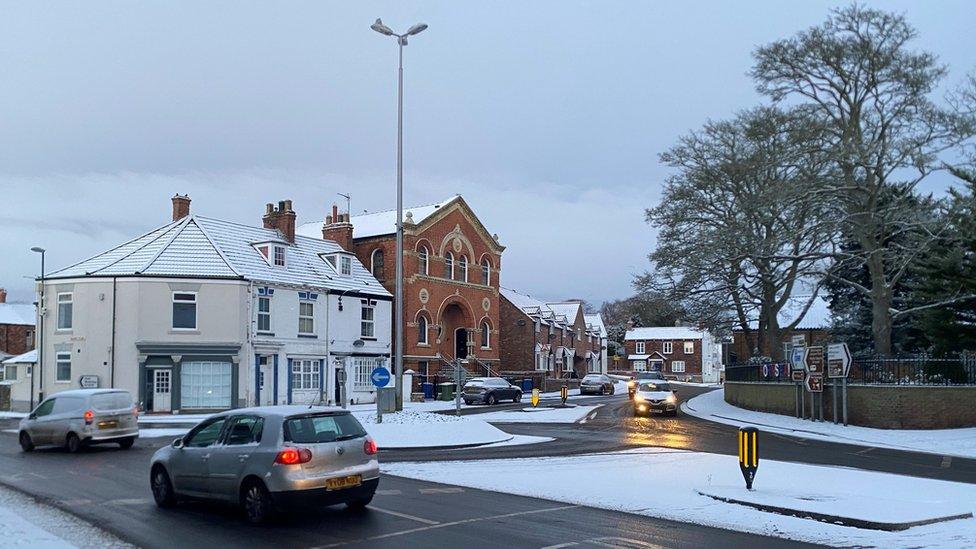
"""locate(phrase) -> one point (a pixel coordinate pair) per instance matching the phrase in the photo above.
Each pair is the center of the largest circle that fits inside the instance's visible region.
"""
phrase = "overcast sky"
(546, 116)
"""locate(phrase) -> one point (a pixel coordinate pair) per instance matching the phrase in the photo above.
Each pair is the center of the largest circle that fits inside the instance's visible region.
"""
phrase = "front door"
(161, 390)
(266, 381)
(657, 365)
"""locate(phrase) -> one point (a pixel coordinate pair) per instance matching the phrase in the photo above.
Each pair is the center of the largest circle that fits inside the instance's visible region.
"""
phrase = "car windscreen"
(475, 383)
(111, 401)
(593, 378)
(649, 375)
(653, 387)
(314, 429)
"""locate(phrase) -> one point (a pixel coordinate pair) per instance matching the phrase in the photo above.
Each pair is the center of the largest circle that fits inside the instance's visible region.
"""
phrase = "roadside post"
(813, 362)
(797, 375)
(564, 393)
(748, 454)
(838, 369)
(380, 377)
(535, 397)
(457, 387)
(341, 379)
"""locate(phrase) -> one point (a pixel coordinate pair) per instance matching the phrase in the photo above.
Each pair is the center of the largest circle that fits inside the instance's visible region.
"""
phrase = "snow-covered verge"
(944, 442)
(423, 430)
(12, 415)
(26, 523)
(664, 483)
(541, 414)
(693, 384)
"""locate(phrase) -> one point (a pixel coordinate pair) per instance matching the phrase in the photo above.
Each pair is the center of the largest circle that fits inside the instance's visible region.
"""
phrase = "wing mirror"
(178, 443)
(32, 416)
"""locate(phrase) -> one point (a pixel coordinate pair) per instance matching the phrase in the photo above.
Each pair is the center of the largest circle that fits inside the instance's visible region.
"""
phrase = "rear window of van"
(111, 401)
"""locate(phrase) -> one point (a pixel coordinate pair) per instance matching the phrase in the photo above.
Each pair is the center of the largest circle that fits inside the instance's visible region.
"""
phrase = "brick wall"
(693, 361)
(518, 336)
(880, 406)
(742, 347)
(16, 339)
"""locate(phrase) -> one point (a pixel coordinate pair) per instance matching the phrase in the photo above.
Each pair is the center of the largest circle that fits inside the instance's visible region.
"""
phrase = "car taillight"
(293, 456)
(89, 417)
(135, 411)
(369, 447)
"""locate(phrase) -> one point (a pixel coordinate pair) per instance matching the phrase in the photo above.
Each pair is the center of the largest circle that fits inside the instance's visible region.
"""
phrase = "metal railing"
(914, 370)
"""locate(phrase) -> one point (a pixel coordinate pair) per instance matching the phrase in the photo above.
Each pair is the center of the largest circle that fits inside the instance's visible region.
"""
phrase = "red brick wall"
(16, 339)
(518, 351)
(693, 361)
(742, 349)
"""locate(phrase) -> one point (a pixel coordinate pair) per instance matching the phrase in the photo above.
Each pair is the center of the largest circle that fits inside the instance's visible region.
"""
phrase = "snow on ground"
(162, 433)
(24, 522)
(946, 442)
(693, 384)
(541, 414)
(408, 429)
(662, 483)
(12, 415)
(516, 440)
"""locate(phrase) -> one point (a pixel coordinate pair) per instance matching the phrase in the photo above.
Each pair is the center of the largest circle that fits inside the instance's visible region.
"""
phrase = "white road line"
(404, 515)
(389, 492)
(441, 490)
(128, 502)
(454, 523)
(623, 542)
(561, 545)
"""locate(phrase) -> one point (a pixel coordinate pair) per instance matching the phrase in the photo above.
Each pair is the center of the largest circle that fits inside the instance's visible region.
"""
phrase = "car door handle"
(242, 457)
(205, 457)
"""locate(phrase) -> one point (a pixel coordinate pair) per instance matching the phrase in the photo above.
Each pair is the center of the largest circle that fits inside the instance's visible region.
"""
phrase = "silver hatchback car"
(77, 418)
(269, 458)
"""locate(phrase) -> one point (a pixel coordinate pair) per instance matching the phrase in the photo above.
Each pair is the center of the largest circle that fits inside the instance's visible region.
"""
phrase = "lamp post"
(379, 27)
(40, 337)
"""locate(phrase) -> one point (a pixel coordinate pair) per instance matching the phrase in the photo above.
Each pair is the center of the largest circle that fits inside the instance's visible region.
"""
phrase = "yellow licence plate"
(108, 424)
(343, 482)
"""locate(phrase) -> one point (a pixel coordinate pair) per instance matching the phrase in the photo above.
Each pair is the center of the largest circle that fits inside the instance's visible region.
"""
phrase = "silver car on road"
(75, 419)
(268, 458)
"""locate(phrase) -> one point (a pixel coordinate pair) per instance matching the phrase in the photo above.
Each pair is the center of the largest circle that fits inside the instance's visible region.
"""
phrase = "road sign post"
(838, 368)
(797, 374)
(748, 454)
(813, 363)
(341, 379)
(380, 377)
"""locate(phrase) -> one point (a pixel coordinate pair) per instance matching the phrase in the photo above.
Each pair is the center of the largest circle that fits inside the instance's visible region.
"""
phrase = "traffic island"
(851, 510)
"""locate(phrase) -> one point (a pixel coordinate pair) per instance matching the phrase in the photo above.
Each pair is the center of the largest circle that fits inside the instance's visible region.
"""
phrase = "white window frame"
(667, 347)
(677, 366)
(60, 358)
(486, 272)
(282, 255)
(686, 346)
(640, 365)
(70, 304)
(463, 265)
(306, 372)
(423, 258)
(367, 320)
(195, 302)
(449, 265)
(362, 370)
(207, 374)
(265, 314)
(641, 347)
(309, 317)
(372, 263)
(345, 265)
(423, 326)
(485, 335)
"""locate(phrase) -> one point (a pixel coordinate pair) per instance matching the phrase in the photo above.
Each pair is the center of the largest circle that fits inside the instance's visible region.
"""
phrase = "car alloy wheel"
(491, 400)
(26, 444)
(162, 489)
(257, 503)
(73, 443)
(518, 397)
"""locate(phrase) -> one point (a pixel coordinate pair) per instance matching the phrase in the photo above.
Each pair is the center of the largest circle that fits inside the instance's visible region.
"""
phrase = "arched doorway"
(456, 321)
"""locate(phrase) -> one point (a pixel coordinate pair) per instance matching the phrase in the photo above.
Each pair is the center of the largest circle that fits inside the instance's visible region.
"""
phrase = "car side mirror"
(178, 443)
(32, 416)
(675, 392)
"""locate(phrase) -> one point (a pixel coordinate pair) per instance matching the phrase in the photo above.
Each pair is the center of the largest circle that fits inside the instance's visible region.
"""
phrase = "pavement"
(109, 488)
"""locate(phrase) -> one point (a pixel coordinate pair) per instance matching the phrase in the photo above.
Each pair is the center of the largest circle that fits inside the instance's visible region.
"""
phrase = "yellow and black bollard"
(564, 393)
(748, 453)
(535, 397)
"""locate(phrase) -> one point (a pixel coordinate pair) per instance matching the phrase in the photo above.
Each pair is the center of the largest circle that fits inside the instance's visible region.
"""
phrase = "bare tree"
(739, 229)
(856, 73)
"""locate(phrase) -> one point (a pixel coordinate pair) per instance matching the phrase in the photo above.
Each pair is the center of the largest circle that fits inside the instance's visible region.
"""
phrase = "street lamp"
(379, 27)
(40, 337)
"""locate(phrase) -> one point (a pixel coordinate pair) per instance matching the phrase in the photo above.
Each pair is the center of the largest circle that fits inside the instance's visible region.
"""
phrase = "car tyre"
(162, 488)
(26, 444)
(73, 443)
(468, 402)
(491, 400)
(127, 443)
(518, 398)
(359, 504)
(256, 502)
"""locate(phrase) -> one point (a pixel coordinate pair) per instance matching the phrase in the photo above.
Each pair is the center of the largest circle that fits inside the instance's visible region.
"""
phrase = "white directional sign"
(796, 358)
(838, 360)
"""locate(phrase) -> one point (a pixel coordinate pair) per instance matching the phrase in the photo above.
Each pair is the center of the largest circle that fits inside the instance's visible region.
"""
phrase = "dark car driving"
(489, 390)
(597, 384)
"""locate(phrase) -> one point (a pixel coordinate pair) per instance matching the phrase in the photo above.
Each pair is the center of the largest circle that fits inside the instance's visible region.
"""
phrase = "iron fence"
(916, 370)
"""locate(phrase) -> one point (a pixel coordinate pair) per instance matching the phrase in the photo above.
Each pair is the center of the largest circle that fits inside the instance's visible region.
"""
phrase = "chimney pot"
(270, 208)
(181, 206)
(281, 205)
(287, 205)
(335, 213)
(3, 295)
(282, 219)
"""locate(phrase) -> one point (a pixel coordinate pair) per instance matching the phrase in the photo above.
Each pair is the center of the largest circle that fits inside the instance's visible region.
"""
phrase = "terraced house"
(203, 314)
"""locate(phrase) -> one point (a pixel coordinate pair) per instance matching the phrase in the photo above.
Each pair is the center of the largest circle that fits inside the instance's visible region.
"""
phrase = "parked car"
(490, 390)
(655, 396)
(81, 417)
(641, 376)
(597, 384)
(270, 458)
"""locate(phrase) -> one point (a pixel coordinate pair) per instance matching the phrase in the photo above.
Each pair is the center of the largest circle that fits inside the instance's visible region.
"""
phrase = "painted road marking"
(561, 545)
(129, 502)
(389, 492)
(404, 515)
(865, 451)
(623, 542)
(441, 490)
(454, 523)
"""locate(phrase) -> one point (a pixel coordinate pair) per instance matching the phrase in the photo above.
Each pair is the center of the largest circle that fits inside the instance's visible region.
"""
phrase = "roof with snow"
(569, 309)
(30, 357)
(378, 223)
(17, 313)
(596, 321)
(663, 332)
(817, 317)
(202, 247)
(533, 307)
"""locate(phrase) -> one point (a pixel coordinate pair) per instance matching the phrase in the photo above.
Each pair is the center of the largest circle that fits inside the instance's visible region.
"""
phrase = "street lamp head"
(379, 27)
(417, 29)
(38, 250)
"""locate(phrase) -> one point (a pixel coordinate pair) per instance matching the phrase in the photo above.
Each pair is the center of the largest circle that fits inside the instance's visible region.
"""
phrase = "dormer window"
(275, 254)
(279, 256)
(341, 262)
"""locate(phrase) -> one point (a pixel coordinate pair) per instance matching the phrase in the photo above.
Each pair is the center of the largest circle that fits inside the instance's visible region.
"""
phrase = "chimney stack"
(338, 229)
(181, 206)
(3, 295)
(281, 218)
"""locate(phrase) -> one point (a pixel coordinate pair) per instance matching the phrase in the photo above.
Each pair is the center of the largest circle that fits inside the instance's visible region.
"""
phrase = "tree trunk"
(881, 296)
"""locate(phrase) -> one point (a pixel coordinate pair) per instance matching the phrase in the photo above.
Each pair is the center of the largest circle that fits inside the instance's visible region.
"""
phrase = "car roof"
(281, 411)
(87, 392)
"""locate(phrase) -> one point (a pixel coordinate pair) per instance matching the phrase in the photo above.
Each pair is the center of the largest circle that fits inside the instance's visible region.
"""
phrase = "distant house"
(676, 351)
(15, 382)
(813, 329)
(16, 326)
(202, 314)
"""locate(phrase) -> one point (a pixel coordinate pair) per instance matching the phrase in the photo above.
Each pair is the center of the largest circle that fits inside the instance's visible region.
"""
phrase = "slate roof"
(663, 332)
(378, 223)
(203, 247)
(17, 313)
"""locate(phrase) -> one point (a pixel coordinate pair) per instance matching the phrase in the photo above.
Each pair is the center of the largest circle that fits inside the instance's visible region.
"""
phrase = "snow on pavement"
(944, 442)
(662, 483)
(423, 429)
(24, 522)
(541, 414)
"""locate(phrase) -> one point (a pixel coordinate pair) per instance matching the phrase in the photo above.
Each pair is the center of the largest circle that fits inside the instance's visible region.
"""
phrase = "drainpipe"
(114, 295)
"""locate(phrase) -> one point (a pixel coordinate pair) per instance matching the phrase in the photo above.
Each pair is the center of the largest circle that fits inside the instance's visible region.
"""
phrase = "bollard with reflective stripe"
(748, 453)
(535, 397)
(564, 393)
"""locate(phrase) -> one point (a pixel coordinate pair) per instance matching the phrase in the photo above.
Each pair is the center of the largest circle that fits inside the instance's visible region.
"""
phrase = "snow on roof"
(27, 358)
(531, 306)
(596, 321)
(378, 223)
(817, 317)
(663, 332)
(569, 309)
(17, 313)
(203, 247)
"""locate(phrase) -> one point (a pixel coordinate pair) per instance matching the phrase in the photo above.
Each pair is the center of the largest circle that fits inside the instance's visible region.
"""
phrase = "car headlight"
(631, 383)
(671, 399)
(639, 398)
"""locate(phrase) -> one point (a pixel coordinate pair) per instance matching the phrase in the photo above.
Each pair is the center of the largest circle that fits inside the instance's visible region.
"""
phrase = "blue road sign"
(380, 376)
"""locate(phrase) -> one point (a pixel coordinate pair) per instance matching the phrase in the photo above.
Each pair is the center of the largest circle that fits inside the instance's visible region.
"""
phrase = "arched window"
(424, 264)
(463, 264)
(422, 329)
(449, 265)
(485, 271)
(377, 264)
(485, 335)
